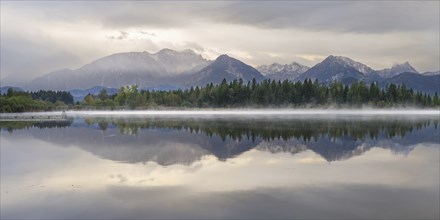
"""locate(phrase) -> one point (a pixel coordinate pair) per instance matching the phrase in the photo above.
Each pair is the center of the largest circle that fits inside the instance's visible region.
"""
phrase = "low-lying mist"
(262, 113)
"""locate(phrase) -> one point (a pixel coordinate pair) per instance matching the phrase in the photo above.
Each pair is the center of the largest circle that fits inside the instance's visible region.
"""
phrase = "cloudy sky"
(39, 37)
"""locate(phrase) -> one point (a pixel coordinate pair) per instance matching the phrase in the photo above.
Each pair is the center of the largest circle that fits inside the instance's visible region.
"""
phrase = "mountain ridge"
(278, 71)
(336, 68)
(225, 67)
(397, 69)
(427, 84)
(120, 69)
(169, 69)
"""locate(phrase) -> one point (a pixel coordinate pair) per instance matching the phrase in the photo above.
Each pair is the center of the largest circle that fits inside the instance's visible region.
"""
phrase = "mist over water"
(256, 113)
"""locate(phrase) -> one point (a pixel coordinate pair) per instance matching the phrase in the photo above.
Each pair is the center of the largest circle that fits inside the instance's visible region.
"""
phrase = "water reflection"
(169, 141)
(10, 126)
(221, 168)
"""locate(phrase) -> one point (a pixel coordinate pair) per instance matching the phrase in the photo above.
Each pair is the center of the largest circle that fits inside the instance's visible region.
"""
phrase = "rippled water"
(97, 166)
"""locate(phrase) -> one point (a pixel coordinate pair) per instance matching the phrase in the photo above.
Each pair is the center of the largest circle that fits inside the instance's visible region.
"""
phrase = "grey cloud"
(161, 14)
(358, 17)
(195, 46)
(340, 16)
(148, 33)
(344, 16)
(122, 35)
(23, 59)
(118, 14)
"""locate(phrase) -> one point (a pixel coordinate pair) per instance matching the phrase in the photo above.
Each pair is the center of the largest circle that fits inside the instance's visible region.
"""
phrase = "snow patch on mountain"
(345, 61)
(397, 69)
(431, 73)
(278, 71)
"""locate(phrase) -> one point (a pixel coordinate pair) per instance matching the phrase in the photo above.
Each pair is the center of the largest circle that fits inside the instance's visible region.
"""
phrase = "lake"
(307, 166)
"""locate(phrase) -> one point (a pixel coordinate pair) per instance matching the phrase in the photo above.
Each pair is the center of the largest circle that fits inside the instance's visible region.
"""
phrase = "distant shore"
(33, 116)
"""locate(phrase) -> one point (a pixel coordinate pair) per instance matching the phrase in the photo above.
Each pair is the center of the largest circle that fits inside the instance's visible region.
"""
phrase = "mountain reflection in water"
(302, 167)
(169, 141)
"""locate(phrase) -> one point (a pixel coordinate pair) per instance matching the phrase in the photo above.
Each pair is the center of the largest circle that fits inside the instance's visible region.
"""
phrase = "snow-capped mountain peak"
(177, 62)
(347, 62)
(225, 67)
(404, 67)
(397, 69)
(338, 68)
(141, 68)
(279, 71)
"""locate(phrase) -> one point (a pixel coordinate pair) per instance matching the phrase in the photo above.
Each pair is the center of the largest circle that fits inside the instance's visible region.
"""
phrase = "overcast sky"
(39, 37)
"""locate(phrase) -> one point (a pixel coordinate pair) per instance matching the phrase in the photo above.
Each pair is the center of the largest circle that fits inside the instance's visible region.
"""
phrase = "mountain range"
(168, 69)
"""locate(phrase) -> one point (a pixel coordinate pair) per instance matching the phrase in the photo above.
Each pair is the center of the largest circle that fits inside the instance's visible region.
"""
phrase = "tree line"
(235, 94)
(273, 129)
(18, 101)
(268, 93)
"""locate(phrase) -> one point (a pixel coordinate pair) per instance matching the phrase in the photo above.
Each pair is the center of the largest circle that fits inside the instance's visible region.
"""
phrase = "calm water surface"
(222, 167)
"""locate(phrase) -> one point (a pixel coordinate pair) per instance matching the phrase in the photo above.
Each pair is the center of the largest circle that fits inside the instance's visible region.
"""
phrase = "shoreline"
(265, 112)
(58, 115)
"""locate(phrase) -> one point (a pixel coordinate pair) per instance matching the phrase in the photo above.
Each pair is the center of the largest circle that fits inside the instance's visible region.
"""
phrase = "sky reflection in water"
(223, 168)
